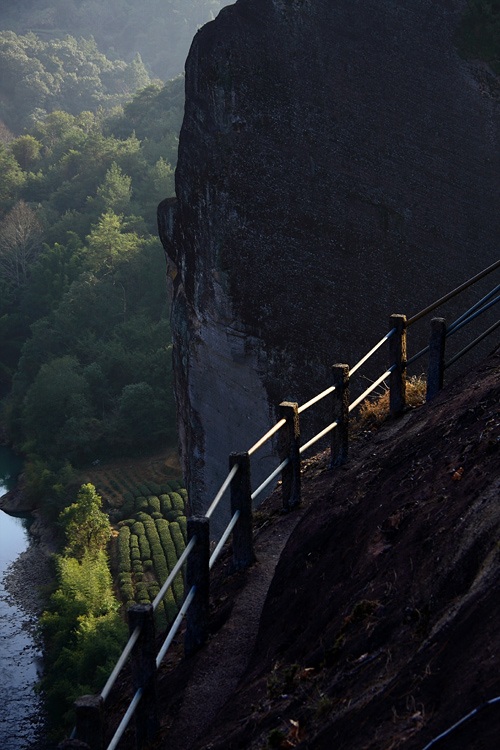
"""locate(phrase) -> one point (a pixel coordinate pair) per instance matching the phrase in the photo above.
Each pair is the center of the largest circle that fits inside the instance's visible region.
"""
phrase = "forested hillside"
(67, 74)
(160, 31)
(83, 311)
(88, 147)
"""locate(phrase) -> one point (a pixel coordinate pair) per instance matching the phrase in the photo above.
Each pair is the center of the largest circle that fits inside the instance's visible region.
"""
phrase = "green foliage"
(86, 527)
(124, 559)
(71, 74)
(177, 538)
(165, 504)
(177, 502)
(82, 634)
(154, 504)
(159, 30)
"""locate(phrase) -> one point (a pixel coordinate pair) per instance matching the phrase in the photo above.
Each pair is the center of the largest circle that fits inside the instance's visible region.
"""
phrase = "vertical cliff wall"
(338, 162)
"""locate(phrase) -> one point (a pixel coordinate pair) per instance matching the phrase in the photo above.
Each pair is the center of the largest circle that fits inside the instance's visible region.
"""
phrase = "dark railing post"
(289, 447)
(143, 668)
(435, 370)
(397, 354)
(339, 436)
(90, 720)
(198, 575)
(241, 499)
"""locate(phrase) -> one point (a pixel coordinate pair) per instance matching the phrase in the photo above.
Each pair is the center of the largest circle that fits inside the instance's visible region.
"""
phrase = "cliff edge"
(338, 162)
(380, 627)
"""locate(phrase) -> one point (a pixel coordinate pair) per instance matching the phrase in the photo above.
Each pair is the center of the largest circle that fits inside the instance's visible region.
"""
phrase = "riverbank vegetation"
(81, 630)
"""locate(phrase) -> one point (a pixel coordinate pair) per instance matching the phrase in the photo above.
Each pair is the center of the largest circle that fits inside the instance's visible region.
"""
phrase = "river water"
(20, 660)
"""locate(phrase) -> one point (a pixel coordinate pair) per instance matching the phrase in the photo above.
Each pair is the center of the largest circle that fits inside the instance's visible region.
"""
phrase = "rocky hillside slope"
(380, 628)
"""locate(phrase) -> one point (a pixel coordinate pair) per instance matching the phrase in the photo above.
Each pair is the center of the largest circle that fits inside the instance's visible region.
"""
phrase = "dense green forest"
(160, 31)
(84, 326)
(67, 74)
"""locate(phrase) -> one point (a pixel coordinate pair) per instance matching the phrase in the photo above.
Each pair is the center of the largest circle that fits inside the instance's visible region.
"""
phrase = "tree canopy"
(83, 311)
(39, 77)
(159, 30)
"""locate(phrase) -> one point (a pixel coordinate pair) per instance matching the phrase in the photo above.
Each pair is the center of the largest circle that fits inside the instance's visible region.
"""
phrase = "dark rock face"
(338, 162)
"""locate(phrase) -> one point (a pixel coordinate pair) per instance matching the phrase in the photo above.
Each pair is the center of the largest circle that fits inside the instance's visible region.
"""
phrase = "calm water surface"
(20, 708)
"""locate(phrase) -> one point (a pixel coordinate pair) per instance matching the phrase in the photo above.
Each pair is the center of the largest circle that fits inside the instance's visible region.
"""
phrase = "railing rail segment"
(238, 480)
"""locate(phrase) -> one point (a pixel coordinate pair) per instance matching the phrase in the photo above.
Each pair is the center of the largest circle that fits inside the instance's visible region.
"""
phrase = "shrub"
(154, 488)
(124, 550)
(177, 538)
(373, 413)
(127, 508)
(173, 515)
(126, 592)
(177, 501)
(171, 607)
(154, 504)
(144, 547)
(155, 516)
(138, 528)
(171, 558)
(141, 503)
(147, 564)
(167, 543)
(165, 503)
(161, 620)
(137, 566)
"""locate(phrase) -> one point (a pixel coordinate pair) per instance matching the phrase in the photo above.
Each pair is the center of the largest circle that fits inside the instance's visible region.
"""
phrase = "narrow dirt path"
(215, 671)
(194, 692)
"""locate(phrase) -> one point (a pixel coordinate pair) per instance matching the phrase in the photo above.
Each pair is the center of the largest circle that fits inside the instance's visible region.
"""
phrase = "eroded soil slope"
(381, 627)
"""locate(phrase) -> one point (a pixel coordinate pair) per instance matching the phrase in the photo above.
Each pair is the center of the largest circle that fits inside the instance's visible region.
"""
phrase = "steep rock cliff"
(338, 162)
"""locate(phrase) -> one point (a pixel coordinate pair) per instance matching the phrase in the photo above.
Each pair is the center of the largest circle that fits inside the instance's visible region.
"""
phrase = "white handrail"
(316, 399)
(372, 351)
(175, 570)
(370, 389)
(225, 485)
(121, 661)
(270, 478)
(318, 437)
(266, 437)
(175, 627)
(215, 554)
(124, 722)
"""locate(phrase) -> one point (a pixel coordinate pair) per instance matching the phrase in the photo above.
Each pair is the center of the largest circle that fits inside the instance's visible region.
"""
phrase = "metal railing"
(90, 721)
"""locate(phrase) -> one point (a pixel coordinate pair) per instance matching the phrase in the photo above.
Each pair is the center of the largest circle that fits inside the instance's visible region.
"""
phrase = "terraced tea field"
(150, 530)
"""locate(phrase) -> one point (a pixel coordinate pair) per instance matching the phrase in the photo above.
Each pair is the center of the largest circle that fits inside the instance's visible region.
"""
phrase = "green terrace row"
(149, 546)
